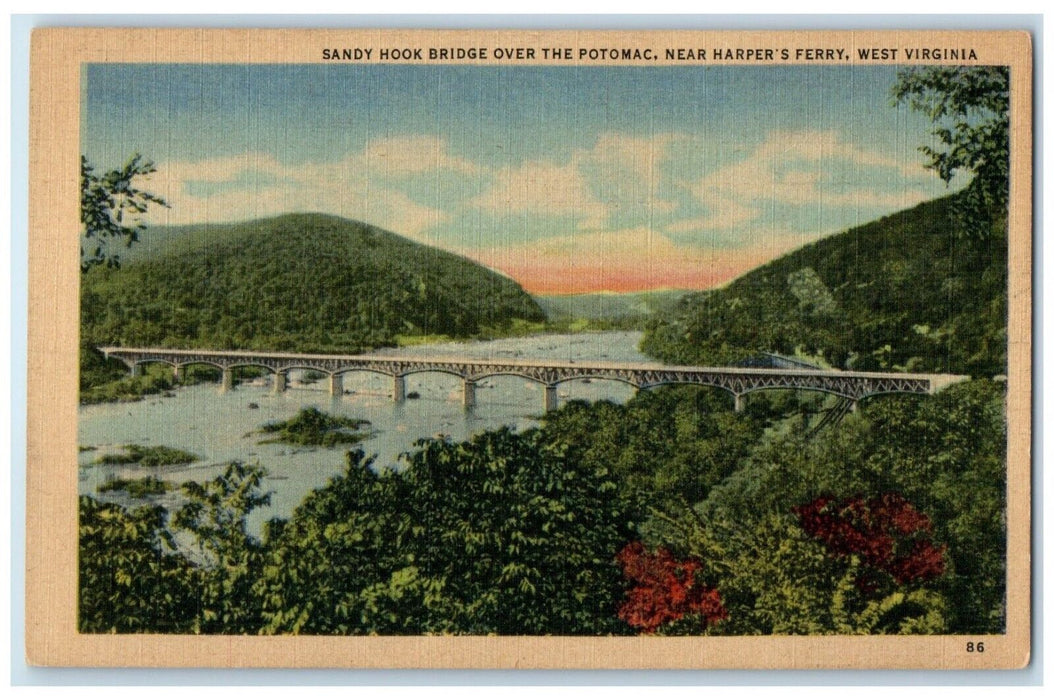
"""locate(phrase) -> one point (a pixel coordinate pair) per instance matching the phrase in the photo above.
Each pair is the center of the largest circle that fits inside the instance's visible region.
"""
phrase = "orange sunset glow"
(630, 262)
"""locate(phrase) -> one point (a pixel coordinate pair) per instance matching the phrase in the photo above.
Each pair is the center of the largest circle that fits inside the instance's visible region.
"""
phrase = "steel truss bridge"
(549, 374)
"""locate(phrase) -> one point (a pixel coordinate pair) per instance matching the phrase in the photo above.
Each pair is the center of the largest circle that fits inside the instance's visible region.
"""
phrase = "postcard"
(529, 349)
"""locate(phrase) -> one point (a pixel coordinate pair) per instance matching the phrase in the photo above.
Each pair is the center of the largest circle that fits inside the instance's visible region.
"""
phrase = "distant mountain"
(608, 306)
(909, 292)
(300, 282)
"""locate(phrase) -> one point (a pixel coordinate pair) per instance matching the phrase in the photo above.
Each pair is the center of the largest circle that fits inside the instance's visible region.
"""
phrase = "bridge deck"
(737, 380)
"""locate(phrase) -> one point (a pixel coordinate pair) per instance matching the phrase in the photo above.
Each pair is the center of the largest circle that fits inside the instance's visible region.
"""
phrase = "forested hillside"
(299, 282)
(911, 292)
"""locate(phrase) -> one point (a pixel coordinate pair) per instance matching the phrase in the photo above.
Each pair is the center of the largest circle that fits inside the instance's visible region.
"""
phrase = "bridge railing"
(738, 381)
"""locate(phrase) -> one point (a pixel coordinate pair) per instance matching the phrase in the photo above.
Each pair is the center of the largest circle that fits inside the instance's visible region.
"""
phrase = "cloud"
(363, 185)
(216, 170)
(610, 183)
(726, 213)
(638, 154)
(801, 169)
(412, 155)
(542, 188)
(617, 177)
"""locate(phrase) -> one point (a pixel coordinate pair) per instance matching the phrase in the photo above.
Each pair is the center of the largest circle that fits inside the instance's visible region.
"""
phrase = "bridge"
(549, 374)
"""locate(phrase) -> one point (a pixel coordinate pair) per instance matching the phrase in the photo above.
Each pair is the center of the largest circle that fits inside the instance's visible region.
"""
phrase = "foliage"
(901, 293)
(502, 534)
(155, 380)
(890, 523)
(313, 427)
(886, 531)
(138, 488)
(229, 558)
(111, 206)
(96, 369)
(337, 567)
(665, 590)
(299, 282)
(575, 313)
(148, 456)
(776, 579)
(136, 575)
(130, 577)
(943, 454)
(103, 379)
(669, 445)
(529, 534)
(947, 455)
(773, 576)
(970, 109)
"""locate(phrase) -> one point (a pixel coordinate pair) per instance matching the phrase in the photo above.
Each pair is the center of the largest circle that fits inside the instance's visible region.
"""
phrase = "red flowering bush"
(885, 531)
(664, 589)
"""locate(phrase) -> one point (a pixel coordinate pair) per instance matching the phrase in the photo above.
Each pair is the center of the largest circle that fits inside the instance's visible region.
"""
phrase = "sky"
(568, 179)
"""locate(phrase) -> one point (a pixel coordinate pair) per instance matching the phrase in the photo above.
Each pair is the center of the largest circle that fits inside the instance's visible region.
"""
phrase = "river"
(221, 427)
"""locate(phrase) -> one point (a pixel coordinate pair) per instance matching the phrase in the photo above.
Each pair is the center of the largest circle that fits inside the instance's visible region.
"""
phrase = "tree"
(323, 566)
(775, 578)
(141, 571)
(666, 590)
(886, 532)
(132, 577)
(668, 446)
(503, 534)
(229, 558)
(522, 533)
(111, 206)
(970, 109)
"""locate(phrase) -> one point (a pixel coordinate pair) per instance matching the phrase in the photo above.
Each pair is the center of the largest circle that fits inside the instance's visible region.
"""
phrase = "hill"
(608, 306)
(298, 282)
(906, 292)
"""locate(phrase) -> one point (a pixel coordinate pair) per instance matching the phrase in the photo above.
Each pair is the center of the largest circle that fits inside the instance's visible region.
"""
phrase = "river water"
(221, 427)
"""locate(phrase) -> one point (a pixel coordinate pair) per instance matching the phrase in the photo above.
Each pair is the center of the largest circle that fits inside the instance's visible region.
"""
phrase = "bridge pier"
(176, 370)
(226, 380)
(549, 401)
(738, 381)
(278, 383)
(336, 384)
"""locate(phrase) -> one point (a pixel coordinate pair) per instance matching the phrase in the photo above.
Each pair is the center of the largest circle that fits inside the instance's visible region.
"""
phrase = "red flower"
(886, 531)
(664, 589)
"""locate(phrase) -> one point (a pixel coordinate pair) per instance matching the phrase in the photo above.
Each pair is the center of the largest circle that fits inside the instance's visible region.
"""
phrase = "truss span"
(738, 381)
